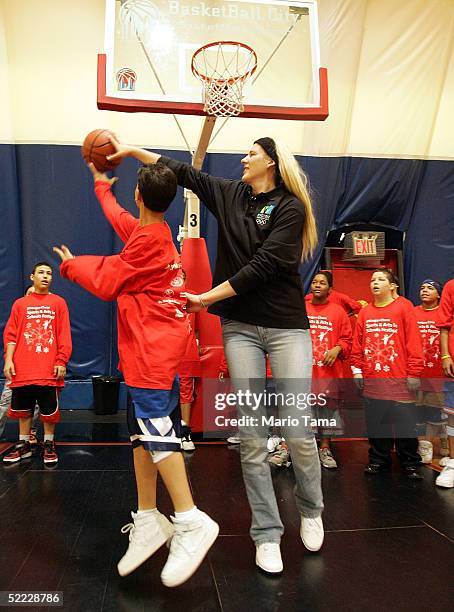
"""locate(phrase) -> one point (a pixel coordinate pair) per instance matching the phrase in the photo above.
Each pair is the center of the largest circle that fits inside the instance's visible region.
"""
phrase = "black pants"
(390, 423)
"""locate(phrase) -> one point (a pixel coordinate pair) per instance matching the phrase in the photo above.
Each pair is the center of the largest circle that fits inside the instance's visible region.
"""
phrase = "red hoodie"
(387, 348)
(146, 279)
(330, 326)
(39, 325)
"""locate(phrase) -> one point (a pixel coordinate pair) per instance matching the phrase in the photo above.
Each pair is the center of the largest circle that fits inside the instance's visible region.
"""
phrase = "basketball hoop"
(223, 67)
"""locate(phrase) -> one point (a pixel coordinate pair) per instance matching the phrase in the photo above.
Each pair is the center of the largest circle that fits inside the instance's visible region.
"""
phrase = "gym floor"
(388, 543)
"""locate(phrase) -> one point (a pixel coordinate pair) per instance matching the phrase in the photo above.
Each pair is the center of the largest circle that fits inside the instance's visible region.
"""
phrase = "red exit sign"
(364, 245)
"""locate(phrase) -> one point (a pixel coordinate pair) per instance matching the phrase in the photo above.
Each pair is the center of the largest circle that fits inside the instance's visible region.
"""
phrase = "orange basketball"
(96, 147)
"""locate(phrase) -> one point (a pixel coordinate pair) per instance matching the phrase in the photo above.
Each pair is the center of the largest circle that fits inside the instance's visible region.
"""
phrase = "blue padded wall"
(47, 199)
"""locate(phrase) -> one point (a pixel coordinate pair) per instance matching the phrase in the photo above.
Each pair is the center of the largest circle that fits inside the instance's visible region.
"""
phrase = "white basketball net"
(223, 68)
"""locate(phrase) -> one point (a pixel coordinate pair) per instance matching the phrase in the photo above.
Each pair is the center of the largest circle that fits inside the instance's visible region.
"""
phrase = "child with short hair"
(331, 335)
(387, 360)
(348, 304)
(37, 340)
(430, 397)
(146, 279)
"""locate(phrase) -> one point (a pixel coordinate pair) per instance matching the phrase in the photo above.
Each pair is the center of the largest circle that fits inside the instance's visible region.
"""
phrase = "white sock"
(48, 437)
(147, 511)
(24, 438)
(188, 516)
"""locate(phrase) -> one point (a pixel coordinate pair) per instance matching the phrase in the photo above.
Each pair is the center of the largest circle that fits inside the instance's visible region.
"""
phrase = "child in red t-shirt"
(446, 478)
(5, 402)
(387, 360)
(331, 335)
(146, 279)
(37, 340)
(430, 396)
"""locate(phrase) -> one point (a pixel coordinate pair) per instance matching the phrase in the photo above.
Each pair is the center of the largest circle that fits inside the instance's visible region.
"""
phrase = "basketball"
(96, 147)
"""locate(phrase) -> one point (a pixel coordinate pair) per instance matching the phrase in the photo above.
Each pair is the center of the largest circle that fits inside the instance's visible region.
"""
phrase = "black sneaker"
(376, 468)
(21, 450)
(412, 473)
(49, 452)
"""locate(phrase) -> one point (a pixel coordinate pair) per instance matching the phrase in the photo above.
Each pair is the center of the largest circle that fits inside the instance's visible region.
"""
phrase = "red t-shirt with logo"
(387, 347)
(146, 279)
(428, 321)
(39, 326)
(330, 327)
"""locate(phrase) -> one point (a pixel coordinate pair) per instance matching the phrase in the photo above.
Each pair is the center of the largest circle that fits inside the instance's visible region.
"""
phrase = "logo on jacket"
(263, 216)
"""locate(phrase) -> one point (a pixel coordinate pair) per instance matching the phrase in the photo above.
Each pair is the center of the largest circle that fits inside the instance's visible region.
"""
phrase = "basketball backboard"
(149, 46)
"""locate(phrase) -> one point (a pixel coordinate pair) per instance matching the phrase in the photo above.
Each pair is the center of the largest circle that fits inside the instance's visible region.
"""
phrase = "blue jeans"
(290, 352)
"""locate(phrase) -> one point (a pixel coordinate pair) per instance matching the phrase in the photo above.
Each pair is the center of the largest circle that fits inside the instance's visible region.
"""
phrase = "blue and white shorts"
(154, 418)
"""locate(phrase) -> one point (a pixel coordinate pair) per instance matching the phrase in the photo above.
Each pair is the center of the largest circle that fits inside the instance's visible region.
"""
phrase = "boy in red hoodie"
(387, 360)
(146, 279)
(37, 340)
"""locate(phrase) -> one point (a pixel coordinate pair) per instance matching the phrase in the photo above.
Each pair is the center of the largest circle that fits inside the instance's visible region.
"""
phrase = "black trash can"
(105, 394)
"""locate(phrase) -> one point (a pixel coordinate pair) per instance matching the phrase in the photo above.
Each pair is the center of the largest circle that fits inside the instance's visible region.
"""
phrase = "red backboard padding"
(194, 257)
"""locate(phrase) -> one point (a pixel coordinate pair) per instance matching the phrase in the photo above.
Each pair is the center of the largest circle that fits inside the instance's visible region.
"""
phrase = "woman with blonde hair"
(266, 227)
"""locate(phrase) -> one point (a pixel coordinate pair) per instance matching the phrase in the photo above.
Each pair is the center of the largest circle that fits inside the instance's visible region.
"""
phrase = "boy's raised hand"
(64, 252)
(101, 176)
(122, 150)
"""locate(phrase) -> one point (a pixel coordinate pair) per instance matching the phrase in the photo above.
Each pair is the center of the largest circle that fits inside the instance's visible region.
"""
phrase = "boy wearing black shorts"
(37, 341)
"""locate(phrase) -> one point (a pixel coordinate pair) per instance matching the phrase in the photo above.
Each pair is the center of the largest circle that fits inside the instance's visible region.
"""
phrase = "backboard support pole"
(191, 224)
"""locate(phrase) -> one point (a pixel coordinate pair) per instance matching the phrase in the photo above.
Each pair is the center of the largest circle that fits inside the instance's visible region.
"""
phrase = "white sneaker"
(147, 533)
(326, 458)
(425, 449)
(268, 557)
(444, 461)
(234, 440)
(190, 543)
(446, 477)
(312, 533)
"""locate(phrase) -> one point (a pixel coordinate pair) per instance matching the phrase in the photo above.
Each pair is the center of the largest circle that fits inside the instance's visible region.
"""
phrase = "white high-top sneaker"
(147, 533)
(190, 543)
(446, 477)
